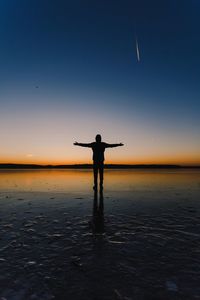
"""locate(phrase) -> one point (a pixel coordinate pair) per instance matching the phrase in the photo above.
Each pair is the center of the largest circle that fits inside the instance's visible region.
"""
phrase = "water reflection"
(81, 180)
(98, 212)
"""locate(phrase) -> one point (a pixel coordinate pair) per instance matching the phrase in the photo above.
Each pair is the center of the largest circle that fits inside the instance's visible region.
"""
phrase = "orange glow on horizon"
(181, 160)
(49, 138)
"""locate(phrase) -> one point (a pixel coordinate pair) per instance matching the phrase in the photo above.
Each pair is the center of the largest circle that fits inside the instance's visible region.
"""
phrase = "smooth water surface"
(114, 180)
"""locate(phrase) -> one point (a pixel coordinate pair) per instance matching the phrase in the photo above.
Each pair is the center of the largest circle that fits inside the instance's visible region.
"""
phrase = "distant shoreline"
(89, 166)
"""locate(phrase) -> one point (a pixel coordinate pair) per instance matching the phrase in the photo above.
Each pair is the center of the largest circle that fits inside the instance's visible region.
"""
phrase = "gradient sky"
(69, 70)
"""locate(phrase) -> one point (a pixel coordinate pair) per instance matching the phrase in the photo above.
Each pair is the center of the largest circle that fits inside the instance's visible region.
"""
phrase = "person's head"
(98, 138)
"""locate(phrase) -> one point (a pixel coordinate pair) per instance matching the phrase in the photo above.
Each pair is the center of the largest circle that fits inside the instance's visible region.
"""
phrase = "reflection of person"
(98, 149)
(98, 213)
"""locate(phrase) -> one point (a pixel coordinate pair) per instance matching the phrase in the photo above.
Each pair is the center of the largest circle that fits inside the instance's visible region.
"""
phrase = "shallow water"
(115, 180)
(138, 239)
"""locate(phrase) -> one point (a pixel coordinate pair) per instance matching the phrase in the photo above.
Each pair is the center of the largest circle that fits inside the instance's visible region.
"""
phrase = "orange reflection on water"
(82, 180)
(44, 180)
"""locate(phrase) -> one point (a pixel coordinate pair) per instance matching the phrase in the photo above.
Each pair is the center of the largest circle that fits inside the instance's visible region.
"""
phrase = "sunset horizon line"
(89, 164)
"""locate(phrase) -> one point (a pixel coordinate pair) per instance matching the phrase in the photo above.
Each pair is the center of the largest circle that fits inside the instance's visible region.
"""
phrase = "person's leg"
(95, 172)
(101, 169)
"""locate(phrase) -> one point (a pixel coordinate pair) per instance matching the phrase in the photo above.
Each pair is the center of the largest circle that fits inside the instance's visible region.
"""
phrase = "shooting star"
(137, 49)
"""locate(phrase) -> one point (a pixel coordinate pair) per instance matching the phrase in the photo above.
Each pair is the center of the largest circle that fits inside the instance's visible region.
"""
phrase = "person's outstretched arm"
(89, 145)
(113, 145)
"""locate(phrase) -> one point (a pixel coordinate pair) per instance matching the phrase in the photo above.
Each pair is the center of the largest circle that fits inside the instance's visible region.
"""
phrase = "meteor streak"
(137, 50)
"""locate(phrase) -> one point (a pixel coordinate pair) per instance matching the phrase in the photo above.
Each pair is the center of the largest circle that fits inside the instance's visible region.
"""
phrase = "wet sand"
(139, 241)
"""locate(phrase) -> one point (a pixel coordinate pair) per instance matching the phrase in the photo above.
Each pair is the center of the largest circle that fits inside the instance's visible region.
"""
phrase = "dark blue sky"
(82, 54)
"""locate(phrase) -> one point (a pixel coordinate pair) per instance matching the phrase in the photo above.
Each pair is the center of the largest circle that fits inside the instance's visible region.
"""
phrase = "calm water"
(125, 191)
(124, 186)
(115, 180)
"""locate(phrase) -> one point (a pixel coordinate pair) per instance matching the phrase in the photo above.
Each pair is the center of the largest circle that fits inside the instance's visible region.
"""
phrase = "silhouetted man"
(98, 149)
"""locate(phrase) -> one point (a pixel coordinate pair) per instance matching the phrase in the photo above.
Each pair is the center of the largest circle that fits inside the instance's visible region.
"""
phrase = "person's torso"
(98, 151)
